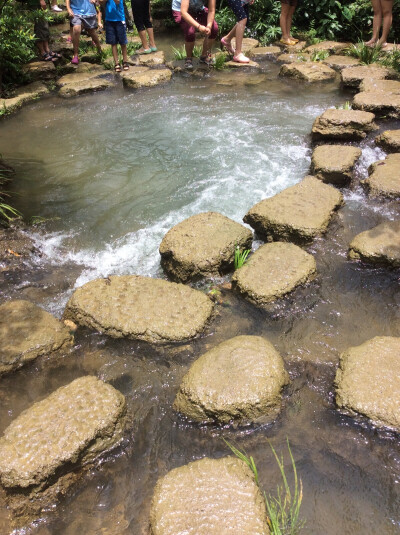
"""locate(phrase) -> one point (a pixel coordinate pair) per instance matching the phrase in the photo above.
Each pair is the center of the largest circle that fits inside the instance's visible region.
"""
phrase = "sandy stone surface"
(264, 52)
(138, 77)
(353, 76)
(298, 213)
(385, 86)
(202, 245)
(235, 65)
(384, 178)
(239, 380)
(379, 103)
(155, 58)
(40, 70)
(24, 94)
(27, 332)
(310, 72)
(334, 163)
(248, 44)
(389, 140)
(273, 271)
(380, 244)
(208, 497)
(368, 381)
(341, 62)
(85, 72)
(142, 308)
(343, 124)
(293, 58)
(73, 425)
(79, 83)
(333, 47)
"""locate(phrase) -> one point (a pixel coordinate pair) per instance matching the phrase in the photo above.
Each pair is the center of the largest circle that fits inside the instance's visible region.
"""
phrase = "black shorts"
(115, 32)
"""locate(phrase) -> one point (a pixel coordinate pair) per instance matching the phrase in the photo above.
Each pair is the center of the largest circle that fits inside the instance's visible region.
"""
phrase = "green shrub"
(366, 54)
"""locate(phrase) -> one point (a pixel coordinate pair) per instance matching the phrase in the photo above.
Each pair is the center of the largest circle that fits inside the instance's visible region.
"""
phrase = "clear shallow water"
(120, 169)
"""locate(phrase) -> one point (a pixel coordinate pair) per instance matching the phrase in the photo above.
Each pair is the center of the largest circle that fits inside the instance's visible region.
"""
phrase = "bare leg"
(229, 36)
(289, 19)
(207, 45)
(283, 21)
(376, 5)
(189, 46)
(124, 53)
(150, 33)
(143, 38)
(240, 27)
(387, 8)
(95, 37)
(76, 33)
(115, 54)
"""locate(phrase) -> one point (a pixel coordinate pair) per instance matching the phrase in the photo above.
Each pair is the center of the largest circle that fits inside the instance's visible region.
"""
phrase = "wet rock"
(379, 103)
(343, 124)
(389, 140)
(64, 48)
(298, 213)
(353, 76)
(334, 163)
(23, 95)
(85, 67)
(265, 52)
(310, 72)
(248, 44)
(156, 58)
(69, 428)
(293, 58)
(368, 381)
(379, 245)
(273, 271)
(386, 86)
(384, 178)
(208, 497)
(235, 65)
(79, 83)
(292, 49)
(138, 77)
(142, 308)
(341, 62)
(239, 380)
(333, 47)
(202, 245)
(27, 332)
(40, 70)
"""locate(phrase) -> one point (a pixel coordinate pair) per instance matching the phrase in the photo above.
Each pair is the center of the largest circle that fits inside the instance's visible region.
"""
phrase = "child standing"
(116, 31)
(82, 12)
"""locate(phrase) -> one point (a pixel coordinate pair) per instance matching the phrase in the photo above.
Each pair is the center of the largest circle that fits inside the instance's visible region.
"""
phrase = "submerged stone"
(138, 77)
(298, 213)
(354, 76)
(384, 178)
(379, 245)
(273, 271)
(72, 426)
(27, 332)
(209, 497)
(308, 72)
(380, 103)
(334, 163)
(368, 381)
(343, 124)
(142, 308)
(239, 380)
(389, 140)
(293, 57)
(202, 245)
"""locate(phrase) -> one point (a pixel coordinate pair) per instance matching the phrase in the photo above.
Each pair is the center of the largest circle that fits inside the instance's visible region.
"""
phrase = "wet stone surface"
(354, 76)
(334, 163)
(383, 180)
(343, 125)
(311, 72)
(138, 77)
(389, 140)
(379, 245)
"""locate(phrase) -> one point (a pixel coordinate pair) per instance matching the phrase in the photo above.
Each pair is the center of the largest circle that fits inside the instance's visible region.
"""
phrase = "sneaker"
(207, 60)
(75, 60)
(188, 64)
(56, 9)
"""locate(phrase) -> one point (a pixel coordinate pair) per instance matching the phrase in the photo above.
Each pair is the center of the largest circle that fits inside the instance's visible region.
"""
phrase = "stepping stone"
(87, 72)
(138, 77)
(264, 52)
(341, 62)
(76, 84)
(69, 428)
(248, 44)
(343, 124)
(239, 380)
(23, 95)
(299, 213)
(353, 76)
(379, 103)
(273, 271)
(368, 381)
(389, 140)
(209, 497)
(334, 163)
(385, 86)
(40, 70)
(155, 58)
(384, 178)
(292, 49)
(27, 332)
(293, 58)
(203, 245)
(379, 245)
(333, 47)
(308, 72)
(237, 65)
(141, 308)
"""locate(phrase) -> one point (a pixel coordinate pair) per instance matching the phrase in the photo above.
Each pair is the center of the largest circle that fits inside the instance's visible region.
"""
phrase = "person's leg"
(124, 51)
(114, 50)
(138, 18)
(376, 25)
(148, 23)
(143, 38)
(95, 38)
(76, 34)
(285, 9)
(150, 33)
(289, 19)
(387, 10)
(240, 27)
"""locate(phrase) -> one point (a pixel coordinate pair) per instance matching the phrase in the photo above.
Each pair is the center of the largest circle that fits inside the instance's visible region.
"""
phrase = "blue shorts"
(116, 32)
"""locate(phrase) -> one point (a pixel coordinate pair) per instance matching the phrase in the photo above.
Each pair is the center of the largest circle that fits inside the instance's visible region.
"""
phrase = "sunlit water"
(119, 169)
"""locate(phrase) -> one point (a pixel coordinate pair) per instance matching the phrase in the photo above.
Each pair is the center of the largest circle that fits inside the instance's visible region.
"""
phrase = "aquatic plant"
(7, 212)
(364, 53)
(392, 59)
(284, 508)
(220, 61)
(240, 256)
(319, 55)
(346, 106)
(180, 53)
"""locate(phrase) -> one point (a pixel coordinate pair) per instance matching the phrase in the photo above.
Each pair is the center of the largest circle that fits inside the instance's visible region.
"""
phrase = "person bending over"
(382, 13)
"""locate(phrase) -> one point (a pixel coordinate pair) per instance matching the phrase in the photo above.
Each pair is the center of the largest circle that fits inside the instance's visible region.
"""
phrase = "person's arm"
(68, 6)
(188, 18)
(211, 14)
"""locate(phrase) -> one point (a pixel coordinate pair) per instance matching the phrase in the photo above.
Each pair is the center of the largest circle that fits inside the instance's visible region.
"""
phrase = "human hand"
(204, 30)
(71, 13)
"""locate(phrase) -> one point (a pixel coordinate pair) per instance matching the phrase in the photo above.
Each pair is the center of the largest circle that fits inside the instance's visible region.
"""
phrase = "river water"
(113, 172)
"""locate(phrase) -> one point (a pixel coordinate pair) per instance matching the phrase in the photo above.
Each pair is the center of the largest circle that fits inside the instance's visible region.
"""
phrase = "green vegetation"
(283, 508)
(364, 53)
(319, 55)
(180, 53)
(392, 59)
(220, 60)
(7, 212)
(240, 257)
(345, 106)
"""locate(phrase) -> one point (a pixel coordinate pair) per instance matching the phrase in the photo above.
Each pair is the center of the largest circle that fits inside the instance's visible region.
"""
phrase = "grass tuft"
(220, 61)
(240, 256)
(7, 212)
(180, 53)
(364, 53)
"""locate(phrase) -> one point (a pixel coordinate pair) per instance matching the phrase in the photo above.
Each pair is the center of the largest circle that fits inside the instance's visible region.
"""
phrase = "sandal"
(207, 60)
(287, 42)
(55, 55)
(188, 64)
(241, 58)
(228, 46)
(47, 57)
(117, 67)
(125, 66)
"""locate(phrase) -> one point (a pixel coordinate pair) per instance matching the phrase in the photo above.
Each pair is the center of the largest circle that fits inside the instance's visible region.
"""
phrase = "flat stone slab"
(27, 332)
(385, 86)
(379, 103)
(239, 380)
(208, 497)
(40, 70)
(76, 84)
(343, 125)
(155, 58)
(353, 76)
(384, 178)
(236, 65)
(379, 245)
(136, 78)
(72, 426)
(265, 52)
(341, 62)
(311, 72)
(142, 308)
(298, 213)
(248, 44)
(87, 72)
(389, 140)
(202, 245)
(23, 95)
(293, 57)
(333, 47)
(368, 381)
(334, 163)
(273, 271)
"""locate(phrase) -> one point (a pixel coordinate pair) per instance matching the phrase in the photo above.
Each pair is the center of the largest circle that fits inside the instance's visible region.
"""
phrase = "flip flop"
(228, 46)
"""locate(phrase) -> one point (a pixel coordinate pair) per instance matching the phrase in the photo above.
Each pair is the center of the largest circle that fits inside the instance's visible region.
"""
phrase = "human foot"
(241, 58)
(75, 60)
(227, 44)
(371, 43)
(288, 42)
(143, 51)
(188, 64)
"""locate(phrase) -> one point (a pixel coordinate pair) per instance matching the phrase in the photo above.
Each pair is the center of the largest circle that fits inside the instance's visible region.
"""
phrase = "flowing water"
(114, 171)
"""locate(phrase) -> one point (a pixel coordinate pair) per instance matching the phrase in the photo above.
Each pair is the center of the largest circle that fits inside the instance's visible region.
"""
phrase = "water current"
(113, 172)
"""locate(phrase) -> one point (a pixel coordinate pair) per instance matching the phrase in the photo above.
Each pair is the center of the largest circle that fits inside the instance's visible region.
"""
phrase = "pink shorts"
(189, 30)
